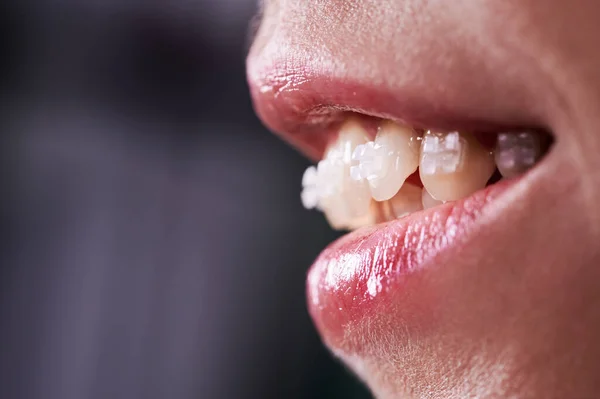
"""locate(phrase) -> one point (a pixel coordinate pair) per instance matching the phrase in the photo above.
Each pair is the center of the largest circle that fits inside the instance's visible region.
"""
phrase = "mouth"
(427, 173)
(415, 201)
(413, 198)
(364, 180)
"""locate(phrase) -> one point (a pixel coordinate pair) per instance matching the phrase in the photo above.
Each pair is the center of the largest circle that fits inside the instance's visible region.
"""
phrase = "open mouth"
(377, 171)
(417, 202)
(427, 181)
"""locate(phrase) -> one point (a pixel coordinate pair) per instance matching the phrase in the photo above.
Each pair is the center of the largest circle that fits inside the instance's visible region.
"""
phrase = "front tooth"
(344, 200)
(388, 161)
(517, 152)
(454, 165)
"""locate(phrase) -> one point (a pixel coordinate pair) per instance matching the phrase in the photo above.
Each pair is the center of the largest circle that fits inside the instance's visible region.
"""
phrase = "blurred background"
(154, 244)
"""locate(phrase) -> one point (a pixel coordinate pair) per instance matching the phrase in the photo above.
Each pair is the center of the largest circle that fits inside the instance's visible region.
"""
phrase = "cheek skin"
(560, 38)
(524, 320)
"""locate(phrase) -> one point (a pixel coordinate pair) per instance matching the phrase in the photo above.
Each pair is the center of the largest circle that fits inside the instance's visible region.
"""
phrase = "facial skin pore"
(519, 315)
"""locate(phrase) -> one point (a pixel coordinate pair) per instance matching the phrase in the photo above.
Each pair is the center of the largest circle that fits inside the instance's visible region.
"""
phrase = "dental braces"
(442, 153)
(357, 176)
(368, 161)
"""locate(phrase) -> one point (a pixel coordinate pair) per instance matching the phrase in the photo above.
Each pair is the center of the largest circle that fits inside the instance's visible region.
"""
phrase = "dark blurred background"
(154, 244)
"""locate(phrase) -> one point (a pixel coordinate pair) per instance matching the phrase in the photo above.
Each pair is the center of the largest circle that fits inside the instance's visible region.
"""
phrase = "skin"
(524, 321)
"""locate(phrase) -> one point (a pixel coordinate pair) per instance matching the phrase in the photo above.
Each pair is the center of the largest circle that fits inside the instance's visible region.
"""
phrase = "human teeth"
(386, 162)
(361, 182)
(344, 201)
(428, 201)
(453, 165)
(517, 152)
(406, 201)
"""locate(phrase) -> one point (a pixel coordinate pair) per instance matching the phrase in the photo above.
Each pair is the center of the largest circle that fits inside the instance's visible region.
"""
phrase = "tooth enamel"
(344, 201)
(386, 162)
(355, 171)
(517, 152)
(406, 201)
(454, 165)
(428, 201)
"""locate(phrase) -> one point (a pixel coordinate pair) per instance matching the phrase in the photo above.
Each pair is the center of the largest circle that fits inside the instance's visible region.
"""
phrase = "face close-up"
(458, 144)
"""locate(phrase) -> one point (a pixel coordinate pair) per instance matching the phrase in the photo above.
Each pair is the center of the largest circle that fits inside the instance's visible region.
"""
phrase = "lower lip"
(379, 275)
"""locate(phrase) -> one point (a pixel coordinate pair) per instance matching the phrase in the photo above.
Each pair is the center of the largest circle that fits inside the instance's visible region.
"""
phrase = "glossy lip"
(306, 108)
(387, 268)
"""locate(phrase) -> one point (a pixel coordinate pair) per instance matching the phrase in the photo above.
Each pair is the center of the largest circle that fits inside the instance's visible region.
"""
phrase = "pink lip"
(306, 107)
(380, 276)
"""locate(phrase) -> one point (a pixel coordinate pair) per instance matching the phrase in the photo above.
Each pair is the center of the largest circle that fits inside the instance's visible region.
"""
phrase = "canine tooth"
(428, 201)
(454, 165)
(386, 162)
(517, 152)
(344, 201)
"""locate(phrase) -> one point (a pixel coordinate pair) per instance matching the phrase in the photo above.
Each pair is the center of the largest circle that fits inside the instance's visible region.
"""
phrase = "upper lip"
(306, 108)
(305, 104)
